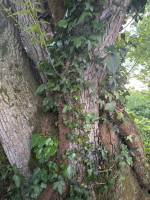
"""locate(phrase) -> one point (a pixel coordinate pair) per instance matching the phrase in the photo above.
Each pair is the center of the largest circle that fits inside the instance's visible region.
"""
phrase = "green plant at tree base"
(70, 45)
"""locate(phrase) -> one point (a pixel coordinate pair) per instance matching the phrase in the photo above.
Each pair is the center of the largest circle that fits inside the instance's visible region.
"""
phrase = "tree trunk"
(20, 108)
(19, 105)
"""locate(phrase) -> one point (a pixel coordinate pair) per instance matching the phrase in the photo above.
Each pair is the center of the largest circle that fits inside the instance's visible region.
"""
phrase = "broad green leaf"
(41, 141)
(98, 37)
(83, 15)
(18, 178)
(49, 151)
(104, 154)
(35, 28)
(49, 142)
(59, 185)
(122, 178)
(63, 23)
(115, 128)
(139, 150)
(88, 7)
(86, 126)
(50, 84)
(116, 3)
(129, 137)
(126, 119)
(41, 88)
(37, 189)
(39, 152)
(34, 140)
(112, 62)
(110, 106)
(98, 25)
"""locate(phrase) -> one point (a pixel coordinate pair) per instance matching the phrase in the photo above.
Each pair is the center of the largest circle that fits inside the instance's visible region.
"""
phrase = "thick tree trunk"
(20, 108)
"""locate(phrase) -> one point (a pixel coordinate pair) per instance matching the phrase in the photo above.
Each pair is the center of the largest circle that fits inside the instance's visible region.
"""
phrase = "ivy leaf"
(90, 45)
(129, 137)
(122, 178)
(110, 106)
(98, 37)
(39, 152)
(104, 154)
(117, 156)
(126, 119)
(41, 141)
(18, 178)
(115, 128)
(59, 185)
(49, 151)
(86, 126)
(139, 150)
(41, 88)
(34, 140)
(116, 3)
(63, 23)
(112, 62)
(72, 156)
(83, 15)
(70, 171)
(88, 7)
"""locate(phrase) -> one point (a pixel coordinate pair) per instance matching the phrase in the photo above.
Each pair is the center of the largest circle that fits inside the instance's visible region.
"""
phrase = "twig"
(138, 57)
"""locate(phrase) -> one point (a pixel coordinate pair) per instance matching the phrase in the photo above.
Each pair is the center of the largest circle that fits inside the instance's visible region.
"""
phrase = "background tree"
(137, 40)
(20, 115)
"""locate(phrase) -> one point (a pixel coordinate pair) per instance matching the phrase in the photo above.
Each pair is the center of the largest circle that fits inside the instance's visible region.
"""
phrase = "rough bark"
(19, 106)
(99, 133)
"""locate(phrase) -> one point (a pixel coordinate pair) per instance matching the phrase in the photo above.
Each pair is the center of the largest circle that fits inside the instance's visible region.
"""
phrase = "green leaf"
(41, 88)
(57, 88)
(72, 156)
(104, 154)
(44, 22)
(59, 185)
(39, 152)
(63, 23)
(36, 42)
(50, 84)
(122, 178)
(110, 106)
(83, 15)
(90, 45)
(41, 142)
(129, 137)
(49, 151)
(116, 3)
(115, 128)
(139, 150)
(126, 120)
(18, 178)
(49, 142)
(35, 139)
(89, 7)
(98, 25)
(86, 126)
(98, 37)
(112, 62)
